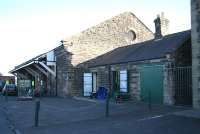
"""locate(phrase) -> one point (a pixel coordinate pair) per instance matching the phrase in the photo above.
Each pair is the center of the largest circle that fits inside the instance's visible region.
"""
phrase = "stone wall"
(102, 76)
(168, 86)
(134, 83)
(134, 80)
(195, 22)
(164, 24)
(183, 56)
(51, 84)
(105, 37)
(62, 64)
(133, 75)
(180, 59)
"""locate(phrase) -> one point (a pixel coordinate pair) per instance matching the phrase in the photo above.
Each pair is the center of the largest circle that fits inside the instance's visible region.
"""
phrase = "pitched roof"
(33, 60)
(152, 49)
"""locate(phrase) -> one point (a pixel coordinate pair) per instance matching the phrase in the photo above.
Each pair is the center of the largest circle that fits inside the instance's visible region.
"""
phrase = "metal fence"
(182, 84)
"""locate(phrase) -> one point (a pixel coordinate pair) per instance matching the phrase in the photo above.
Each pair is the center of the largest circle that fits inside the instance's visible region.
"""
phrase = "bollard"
(107, 105)
(37, 109)
(6, 96)
(149, 100)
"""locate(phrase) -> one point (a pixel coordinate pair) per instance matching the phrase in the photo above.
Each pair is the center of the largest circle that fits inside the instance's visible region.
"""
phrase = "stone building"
(134, 49)
(159, 66)
(195, 22)
(38, 75)
(59, 71)
(121, 30)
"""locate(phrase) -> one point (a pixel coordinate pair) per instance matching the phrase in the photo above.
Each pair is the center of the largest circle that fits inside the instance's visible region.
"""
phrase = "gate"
(151, 82)
(182, 79)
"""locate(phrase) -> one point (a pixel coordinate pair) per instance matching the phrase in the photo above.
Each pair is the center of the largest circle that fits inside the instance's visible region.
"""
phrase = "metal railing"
(181, 77)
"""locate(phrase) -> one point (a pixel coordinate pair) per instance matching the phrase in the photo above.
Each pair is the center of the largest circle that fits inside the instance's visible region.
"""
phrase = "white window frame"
(87, 84)
(123, 81)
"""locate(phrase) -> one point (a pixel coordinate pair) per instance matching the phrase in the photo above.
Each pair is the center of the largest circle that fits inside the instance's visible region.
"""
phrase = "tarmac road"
(70, 116)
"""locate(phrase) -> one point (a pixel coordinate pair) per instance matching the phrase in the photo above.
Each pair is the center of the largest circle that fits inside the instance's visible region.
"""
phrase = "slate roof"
(33, 60)
(152, 49)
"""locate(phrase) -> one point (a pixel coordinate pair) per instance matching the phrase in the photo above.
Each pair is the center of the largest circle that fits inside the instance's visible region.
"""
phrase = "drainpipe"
(109, 93)
(56, 79)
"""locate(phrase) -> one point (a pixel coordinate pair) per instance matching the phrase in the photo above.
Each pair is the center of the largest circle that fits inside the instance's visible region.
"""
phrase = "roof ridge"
(147, 50)
(166, 36)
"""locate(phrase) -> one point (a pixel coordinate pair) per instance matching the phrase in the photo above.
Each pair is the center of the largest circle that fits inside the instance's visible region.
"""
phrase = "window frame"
(93, 86)
(122, 89)
(87, 84)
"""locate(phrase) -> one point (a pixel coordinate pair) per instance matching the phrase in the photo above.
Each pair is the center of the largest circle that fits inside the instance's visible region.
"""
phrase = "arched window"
(131, 35)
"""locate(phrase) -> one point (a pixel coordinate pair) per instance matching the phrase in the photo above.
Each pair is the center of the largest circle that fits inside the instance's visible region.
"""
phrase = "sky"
(31, 27)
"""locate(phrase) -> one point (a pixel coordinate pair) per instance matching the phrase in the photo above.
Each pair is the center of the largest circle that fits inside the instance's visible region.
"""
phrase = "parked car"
(11, 89)
(1, 85)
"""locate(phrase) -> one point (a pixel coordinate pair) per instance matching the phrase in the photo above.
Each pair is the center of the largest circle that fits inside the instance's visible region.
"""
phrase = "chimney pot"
(157, 22)
(161, 25)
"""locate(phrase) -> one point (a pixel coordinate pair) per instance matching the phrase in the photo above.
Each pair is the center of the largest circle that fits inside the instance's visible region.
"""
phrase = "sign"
(33, 83)
(7, 81)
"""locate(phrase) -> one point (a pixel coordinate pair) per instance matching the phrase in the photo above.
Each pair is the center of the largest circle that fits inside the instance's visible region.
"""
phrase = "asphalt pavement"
(5, 126)
(79, 116)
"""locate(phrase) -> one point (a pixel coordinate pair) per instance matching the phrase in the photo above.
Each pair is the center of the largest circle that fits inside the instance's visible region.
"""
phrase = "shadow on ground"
(62, 115)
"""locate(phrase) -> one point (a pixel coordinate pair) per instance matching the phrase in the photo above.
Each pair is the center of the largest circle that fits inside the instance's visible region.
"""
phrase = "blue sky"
(31, 27)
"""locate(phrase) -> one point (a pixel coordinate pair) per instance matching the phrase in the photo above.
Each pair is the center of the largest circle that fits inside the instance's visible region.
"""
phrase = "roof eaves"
(133, 62)
(16, 69)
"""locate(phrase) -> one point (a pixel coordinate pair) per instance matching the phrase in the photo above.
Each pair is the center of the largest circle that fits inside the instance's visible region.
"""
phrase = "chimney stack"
(161, 26)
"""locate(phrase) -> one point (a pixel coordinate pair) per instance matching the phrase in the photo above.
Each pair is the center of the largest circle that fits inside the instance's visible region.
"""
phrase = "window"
(131, 36)
(90, 83)
(87, 82)
(123, 81)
